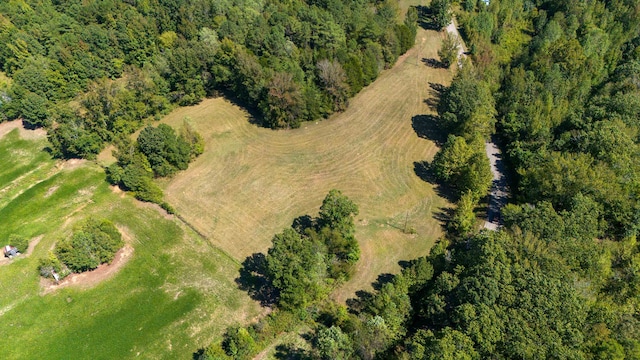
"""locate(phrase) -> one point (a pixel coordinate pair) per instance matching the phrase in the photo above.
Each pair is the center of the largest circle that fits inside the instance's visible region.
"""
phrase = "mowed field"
(169, 294)
(251, 182)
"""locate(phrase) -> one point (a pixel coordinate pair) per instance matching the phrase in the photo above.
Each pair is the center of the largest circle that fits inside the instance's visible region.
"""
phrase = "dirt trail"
(499, 188)
(452, 29)
(499, 192)
(8, 126)
(92, 278)
(32, 245)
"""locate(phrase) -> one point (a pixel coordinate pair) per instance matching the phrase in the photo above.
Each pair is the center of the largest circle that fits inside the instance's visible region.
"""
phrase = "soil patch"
(51, 191)
(70, 164)
(92, 278)
(8, 126)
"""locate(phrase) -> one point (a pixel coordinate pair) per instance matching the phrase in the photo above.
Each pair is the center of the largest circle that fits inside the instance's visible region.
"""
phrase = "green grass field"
(174, 295)
(251, 182)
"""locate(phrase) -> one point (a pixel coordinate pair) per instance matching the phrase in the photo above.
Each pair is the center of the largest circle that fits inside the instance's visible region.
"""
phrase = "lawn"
(251, 182)
(174, 295)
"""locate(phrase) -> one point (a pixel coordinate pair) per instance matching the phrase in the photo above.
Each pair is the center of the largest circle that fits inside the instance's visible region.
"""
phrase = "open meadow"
(251, 182)
(168, 294)
(171, 291)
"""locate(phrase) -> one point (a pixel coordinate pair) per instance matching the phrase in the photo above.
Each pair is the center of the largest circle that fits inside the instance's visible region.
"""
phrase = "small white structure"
(10, 251)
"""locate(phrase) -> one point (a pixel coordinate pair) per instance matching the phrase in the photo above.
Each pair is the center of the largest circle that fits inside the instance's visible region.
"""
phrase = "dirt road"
(499, 188)
(499, 193)
(452, 29)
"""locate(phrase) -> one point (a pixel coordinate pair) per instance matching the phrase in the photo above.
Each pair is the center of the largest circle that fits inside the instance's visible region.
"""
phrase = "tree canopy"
(119, 64)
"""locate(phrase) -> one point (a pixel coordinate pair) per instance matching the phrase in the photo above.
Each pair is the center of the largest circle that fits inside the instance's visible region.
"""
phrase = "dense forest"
(93, 71)
(557, 83)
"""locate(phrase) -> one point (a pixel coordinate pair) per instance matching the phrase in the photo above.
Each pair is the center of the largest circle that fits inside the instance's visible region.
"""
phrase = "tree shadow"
(382, 279)
(200, 354)
(429, 127)
(423, 170)
(302, 223)
(435, 94)
(438, 88)
(356, 305)
(426, 18)
(405, 263)
(291, 352)
(253, 279)
(255, 118)
(443, 215)
(29, 126)
(434, 63)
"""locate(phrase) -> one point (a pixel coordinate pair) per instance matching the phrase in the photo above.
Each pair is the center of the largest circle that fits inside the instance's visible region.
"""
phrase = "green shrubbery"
(302, 265)
(303, 262)
(19, 242)
(50, 265)
(93, 243)
(159, 152)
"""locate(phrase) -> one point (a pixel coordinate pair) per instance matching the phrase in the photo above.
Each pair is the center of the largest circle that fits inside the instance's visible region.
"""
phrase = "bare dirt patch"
(32, 244)
(35, 134)
(116, 190)
(71, 164)
(92, 278)
(51, 190)
(106, 158)
(8, 126)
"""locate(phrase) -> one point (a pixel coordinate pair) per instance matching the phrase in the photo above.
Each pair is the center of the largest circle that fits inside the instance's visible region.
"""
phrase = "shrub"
(239, 343)
(51, 264)
(20, 242)
(189, 135)
(168, 208)
(114, 174)
(448, 51)
(93, 243)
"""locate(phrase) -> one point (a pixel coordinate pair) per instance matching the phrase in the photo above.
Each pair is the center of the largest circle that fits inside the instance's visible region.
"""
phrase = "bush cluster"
(93, 243)
(19, 242)
(158, 152)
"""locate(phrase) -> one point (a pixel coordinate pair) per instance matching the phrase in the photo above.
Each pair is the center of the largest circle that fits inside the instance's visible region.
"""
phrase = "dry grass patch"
(7, 126)
(251, 182)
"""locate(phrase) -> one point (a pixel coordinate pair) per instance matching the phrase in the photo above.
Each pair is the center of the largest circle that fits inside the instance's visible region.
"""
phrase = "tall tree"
(297, 268)
(441, 12)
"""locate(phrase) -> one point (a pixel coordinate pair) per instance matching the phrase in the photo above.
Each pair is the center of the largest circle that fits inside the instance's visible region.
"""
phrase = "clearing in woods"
(166, 294)
(251, 182)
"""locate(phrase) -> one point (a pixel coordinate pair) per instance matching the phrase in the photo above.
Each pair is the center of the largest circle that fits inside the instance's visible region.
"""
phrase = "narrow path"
(499, 192)
(499, 188)
(452, 29)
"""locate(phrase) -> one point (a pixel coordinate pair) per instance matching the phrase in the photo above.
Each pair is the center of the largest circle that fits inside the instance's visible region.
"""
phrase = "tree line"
(93, 242)
(92, 71)
(158, 152)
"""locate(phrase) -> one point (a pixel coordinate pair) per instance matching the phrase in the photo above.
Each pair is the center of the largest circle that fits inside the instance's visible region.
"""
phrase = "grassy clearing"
(176, 293)
(251, 182)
